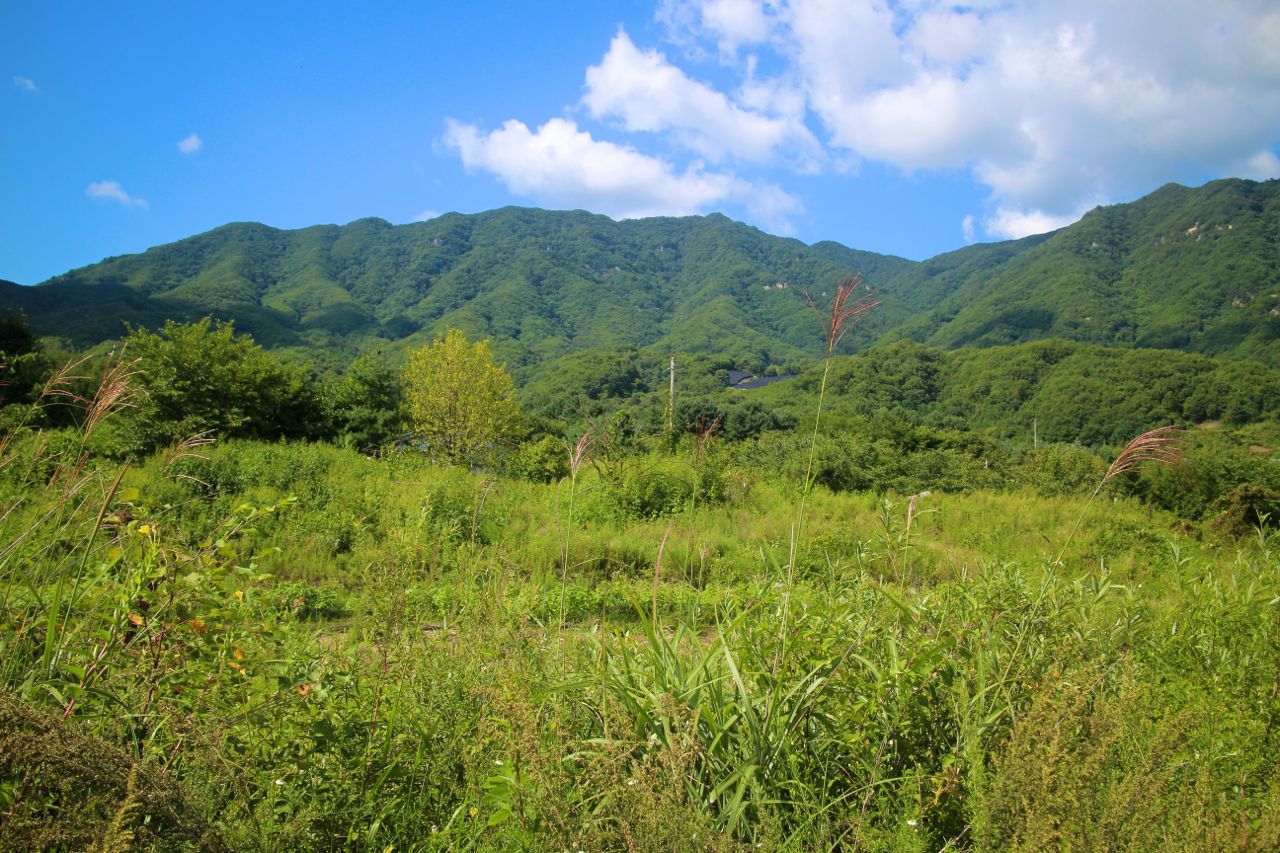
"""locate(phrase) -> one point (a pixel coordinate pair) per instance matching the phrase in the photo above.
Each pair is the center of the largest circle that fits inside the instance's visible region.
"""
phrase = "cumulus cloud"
(1053, 105)
(1012, 222)
(561, 165)
(1262, 166)
(734, 23)
(426, 216)
(966, 228)
(112, 191)
(645, 92)
(26, 84)
(190, 144)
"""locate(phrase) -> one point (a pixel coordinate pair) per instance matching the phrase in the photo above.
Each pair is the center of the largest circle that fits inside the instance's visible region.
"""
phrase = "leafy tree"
(460, 401)
(203, 376)
(367, 403)
(23, 365)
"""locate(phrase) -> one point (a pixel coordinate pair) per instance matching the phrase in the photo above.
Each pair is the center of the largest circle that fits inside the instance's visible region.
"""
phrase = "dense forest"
(381, 537)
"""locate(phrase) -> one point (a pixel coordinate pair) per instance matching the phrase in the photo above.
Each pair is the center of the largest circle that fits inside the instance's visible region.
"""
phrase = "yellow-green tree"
(460, 400)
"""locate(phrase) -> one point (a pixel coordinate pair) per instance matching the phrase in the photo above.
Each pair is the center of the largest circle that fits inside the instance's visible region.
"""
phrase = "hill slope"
(542, 284)
(1191, 269)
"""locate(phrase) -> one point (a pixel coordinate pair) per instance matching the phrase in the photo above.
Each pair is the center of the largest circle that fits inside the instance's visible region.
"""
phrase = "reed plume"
(852, 299)
(1162, 444)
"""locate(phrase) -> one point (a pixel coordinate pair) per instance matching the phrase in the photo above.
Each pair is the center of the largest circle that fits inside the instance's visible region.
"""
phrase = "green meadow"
(749, 630)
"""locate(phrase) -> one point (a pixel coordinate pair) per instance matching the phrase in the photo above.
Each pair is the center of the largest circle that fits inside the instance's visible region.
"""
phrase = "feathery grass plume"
(188, 448)
(1162, 444)
(115, 391)
(845, 314)
(581, 451)
(59, 386)
(705, 436)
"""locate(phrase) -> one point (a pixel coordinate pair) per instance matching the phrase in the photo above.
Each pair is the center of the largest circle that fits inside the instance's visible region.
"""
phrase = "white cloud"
(966, 228)
(647, 93)
(1262, 166)
(26, 84)
(112, 191)
(1013, 223)
(190, 144)
(563, 166)
(426, 215)
(1053, 105)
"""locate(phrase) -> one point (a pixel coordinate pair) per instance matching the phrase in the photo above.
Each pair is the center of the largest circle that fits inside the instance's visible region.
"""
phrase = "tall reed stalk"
(579, 454)
(852, 300)
(1162, 444)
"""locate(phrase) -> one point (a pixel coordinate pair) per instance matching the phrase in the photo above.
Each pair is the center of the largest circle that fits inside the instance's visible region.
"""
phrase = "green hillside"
(542, 284)
(1189, 269)
(1061, 390)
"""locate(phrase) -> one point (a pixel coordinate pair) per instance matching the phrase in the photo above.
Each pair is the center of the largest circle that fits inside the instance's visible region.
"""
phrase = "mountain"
(1192, 269)
(541, 284)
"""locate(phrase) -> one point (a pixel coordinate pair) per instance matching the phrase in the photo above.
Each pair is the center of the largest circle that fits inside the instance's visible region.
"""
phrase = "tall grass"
(976, 697)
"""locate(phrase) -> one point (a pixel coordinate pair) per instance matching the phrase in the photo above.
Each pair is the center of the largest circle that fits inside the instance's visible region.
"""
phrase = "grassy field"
(293, 646)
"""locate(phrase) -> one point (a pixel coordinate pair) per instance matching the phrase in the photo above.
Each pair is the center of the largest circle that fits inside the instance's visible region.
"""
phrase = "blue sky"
(909, 127)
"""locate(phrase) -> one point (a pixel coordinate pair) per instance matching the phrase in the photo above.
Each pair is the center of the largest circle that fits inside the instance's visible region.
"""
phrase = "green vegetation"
(630, 643)
(460, 403)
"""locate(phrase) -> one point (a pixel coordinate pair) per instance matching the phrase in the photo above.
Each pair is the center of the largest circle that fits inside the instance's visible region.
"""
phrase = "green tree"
(203, 376)
(367, 403)
(460, 401)
(23, 364)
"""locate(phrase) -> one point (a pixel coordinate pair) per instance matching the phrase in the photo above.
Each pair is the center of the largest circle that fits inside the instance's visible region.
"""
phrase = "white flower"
(912, 822)
(279, 781)
(497, 762)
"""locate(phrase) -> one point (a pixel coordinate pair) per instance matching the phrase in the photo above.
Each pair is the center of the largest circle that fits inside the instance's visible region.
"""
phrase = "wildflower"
(280, 782)
(912, 822)
(497, 762)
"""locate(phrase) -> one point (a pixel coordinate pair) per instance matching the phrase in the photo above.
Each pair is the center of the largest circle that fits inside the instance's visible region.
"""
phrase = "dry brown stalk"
(657, 571)
(706, 433)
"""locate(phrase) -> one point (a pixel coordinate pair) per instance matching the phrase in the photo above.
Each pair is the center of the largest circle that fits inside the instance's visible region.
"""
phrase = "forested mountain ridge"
(1192, 269)
(541, 284)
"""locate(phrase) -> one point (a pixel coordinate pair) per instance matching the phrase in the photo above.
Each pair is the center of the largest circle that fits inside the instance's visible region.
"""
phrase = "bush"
(304, 601)
(1245, 509)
